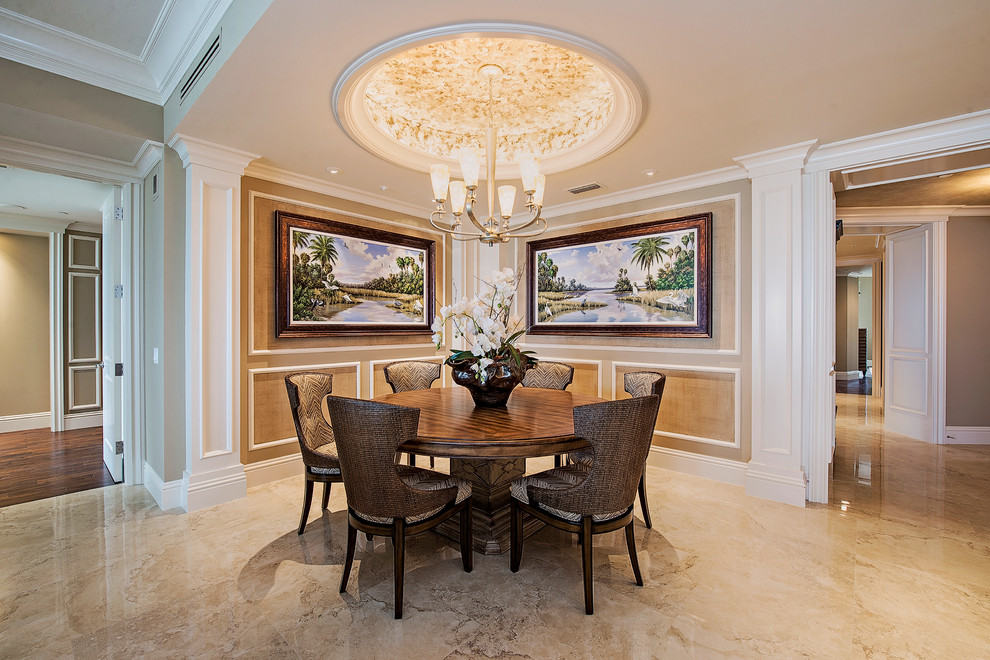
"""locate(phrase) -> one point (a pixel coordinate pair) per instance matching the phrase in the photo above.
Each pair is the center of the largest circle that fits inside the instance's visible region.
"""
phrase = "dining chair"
(636, 383)
(317, 443)
(549, 376)
(595, 498)
(406, 375)
(386, 499)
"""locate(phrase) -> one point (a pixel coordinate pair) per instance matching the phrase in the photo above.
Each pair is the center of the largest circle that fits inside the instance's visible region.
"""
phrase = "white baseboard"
(716, 469)
(274, 469)
(848, 375)
(967, 435)
(208, 489)
(86, 420)
(28, 422)
(769, 483)
(168, 495)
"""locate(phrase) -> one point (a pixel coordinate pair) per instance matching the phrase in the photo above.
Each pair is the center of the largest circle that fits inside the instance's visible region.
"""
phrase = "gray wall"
(967, 393)
(173, 354)
(24, 323)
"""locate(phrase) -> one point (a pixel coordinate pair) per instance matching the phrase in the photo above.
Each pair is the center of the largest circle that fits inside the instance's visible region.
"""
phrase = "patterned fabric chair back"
(642, 383)
(411, 375)
(369, 434)
(307, 390)
(549, 375)
(620, 433)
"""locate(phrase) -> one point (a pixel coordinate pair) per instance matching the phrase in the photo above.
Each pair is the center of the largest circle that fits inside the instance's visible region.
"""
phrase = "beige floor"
(898, 565)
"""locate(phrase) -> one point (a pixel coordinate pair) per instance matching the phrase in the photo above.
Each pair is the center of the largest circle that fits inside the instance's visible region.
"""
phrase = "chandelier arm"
(469, 209)
(536, 218)
(528, 234)
(453, 233)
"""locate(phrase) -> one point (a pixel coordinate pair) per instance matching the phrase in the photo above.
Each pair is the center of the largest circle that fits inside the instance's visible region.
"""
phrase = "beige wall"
(355, 362)
(24, 325)
(706, 406)
(846, 323)
(866, 312)
(173, 353)
(967, 323)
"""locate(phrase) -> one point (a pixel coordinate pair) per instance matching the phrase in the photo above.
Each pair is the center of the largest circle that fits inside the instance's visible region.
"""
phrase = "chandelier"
(463, 194)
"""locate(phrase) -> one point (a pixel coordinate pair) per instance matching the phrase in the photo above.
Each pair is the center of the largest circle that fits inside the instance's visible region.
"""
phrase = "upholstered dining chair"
(595, 498)
(407, 375)
(549, 376)
(636, 383)
(386, 499)
(307, 390)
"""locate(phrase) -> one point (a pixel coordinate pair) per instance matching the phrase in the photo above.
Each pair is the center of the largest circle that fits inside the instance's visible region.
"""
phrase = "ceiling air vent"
(588, 187)
(197, 70)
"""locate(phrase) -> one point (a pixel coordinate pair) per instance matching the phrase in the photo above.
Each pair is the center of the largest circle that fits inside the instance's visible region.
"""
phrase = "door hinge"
(118, 290)
(119, 447)
(118, 369)
(118, 213)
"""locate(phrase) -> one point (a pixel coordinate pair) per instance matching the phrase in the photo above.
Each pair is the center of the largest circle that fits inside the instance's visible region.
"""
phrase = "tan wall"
(173, 353)
(24, 325)
(356, 362)
(967, 323)
(705, 407)
(866, 312)
(153, 324)
(846, 323)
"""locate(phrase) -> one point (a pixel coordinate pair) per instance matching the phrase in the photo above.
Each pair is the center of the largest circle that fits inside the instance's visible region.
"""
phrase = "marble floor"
(897, 565)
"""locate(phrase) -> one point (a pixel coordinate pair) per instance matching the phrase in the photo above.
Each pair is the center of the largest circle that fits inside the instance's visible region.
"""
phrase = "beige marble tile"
(897, 564)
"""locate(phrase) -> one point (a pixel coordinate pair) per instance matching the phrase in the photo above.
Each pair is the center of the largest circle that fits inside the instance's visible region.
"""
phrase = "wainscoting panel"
(269, 418)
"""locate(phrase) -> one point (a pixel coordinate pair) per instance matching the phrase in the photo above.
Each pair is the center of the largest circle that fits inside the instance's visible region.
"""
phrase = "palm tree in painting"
(648, 251)
(324, 250)
(300, 240)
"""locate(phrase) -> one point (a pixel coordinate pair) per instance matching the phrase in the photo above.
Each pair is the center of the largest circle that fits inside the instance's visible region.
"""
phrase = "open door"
(113, 245)
(909, 333)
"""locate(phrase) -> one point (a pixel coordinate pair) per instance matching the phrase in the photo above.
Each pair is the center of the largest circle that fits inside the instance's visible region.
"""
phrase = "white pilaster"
(214, 473)
(775, 468)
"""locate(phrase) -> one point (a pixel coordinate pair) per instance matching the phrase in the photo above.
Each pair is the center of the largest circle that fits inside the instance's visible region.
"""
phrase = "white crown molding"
(194, 151)
(775, 161)
(312, 184)
(944, 136)
(172, 44)
(659, 189)
(54, 160)
(897, 214)
(32, 224)
(150, 154)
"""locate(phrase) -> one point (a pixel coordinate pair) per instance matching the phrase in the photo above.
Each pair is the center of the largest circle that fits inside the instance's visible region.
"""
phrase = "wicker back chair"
(407, 375)
(386, 499)
(549, 375)
(307, 390)
(595, 498)
(637, 383)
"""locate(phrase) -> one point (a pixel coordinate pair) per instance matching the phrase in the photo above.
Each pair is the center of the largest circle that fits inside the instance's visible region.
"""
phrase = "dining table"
(488, 447)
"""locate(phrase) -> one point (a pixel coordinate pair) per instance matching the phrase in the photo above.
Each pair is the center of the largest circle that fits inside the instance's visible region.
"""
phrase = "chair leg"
(399, 561)
(467, 538)
(631, 544)
(349, 558)
(307, 501)
(642, 500)
(515, 536)
(586, 546)
(326, 494)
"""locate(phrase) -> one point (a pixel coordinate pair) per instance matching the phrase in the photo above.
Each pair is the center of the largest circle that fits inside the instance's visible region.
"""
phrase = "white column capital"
(775, 161)
(194, 151)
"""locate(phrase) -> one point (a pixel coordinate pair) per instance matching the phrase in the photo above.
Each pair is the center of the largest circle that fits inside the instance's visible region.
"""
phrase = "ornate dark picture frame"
(336, 279)
(651, 279)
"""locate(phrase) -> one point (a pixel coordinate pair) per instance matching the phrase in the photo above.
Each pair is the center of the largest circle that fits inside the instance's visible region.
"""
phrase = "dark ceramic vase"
(502, 378)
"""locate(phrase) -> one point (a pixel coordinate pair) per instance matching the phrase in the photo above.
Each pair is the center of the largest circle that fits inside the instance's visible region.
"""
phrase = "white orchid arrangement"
(486, 323)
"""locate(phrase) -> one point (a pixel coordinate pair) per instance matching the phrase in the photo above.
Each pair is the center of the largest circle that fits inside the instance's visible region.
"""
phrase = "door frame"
(130, 177)
(955, 135)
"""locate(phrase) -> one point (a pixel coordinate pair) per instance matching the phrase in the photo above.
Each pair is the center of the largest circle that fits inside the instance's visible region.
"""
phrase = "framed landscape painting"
(335, 278)
(648, 279)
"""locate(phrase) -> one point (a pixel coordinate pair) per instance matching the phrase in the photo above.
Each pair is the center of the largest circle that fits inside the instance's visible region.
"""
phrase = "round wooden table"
(489, 446)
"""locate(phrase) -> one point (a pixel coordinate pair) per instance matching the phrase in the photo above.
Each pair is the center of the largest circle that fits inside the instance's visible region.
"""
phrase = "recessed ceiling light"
(334, 170)
(649, 172)
(383, 188)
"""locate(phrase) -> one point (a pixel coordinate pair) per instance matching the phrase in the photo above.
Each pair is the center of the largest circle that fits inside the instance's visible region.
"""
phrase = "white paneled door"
(910, 333)
(113, 391)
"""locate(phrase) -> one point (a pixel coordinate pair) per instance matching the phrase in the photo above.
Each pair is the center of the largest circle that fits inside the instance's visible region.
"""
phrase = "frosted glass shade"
(506, 198)
(470, 166)
(439, 176)
(458, 195)
(529, 170)
(541, 185)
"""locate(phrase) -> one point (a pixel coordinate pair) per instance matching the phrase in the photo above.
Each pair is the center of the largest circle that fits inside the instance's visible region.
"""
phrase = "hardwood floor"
(38, 464)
